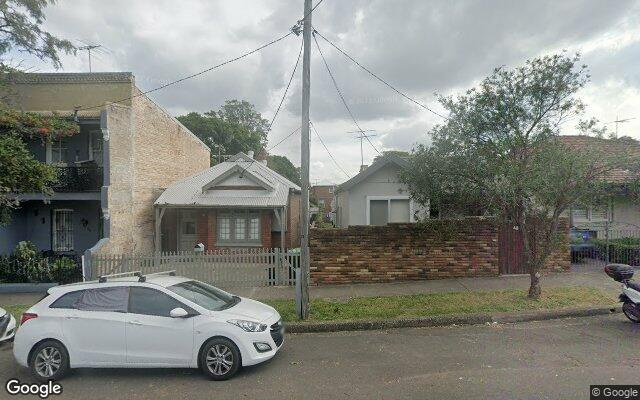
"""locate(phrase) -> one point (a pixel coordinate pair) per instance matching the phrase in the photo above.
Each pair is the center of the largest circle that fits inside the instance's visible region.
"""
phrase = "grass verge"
(424, 305)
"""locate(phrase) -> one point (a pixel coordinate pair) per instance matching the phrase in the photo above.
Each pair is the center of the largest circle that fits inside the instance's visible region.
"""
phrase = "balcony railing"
(78, 179)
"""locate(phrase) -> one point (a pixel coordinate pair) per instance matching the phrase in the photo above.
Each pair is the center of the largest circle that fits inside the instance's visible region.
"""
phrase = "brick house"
(323, 195)
(110, 173)
(237, 203)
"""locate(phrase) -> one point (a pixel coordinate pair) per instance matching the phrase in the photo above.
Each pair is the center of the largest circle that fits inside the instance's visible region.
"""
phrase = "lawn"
(422, 305)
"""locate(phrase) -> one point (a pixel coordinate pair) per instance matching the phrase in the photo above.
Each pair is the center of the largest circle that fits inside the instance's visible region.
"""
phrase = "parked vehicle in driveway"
(7, 326)
(156, 320)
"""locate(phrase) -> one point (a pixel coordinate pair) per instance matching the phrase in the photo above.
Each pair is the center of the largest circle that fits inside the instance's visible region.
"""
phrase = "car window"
(149, 301)
(115, 299)
(207, 296)
(67, 300)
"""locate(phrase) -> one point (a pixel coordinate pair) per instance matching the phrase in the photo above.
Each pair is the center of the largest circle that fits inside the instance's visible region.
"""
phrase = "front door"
(154, 338)
(187, 234)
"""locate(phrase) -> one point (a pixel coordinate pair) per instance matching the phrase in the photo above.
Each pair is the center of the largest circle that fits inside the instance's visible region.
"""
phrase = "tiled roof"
(68, 77)
(189, 191)
(624, 146)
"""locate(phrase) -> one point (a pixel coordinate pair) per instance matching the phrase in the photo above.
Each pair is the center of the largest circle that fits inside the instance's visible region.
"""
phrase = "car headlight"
(248, 326)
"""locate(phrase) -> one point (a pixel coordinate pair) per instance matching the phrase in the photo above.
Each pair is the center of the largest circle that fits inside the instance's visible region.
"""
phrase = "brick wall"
(149, 150)
(439, 249)
(265, 225)
(292, 238)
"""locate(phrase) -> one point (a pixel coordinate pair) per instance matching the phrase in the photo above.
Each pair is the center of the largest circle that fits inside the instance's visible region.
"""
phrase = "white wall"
(353, 203)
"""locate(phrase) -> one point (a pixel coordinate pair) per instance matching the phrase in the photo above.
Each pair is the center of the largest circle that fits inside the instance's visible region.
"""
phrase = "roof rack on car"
(143, 278)
(103, 278)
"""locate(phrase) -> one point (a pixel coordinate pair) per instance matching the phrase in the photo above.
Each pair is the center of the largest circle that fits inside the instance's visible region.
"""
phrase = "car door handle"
(71, 317)
(135, 322)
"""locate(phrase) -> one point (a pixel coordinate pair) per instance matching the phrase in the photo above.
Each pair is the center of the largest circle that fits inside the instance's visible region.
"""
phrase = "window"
(67, 300)
(62, 230)
(204, 295)
(95, 146)
(147, 301)
(321, 203)
(590, 214)
(109, 299)
(239, 227)
(59, 152)
(189, 227)
(224, 228)
(382, 210)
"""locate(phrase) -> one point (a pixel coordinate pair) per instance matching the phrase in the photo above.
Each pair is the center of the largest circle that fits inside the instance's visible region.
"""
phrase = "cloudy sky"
(422, 47)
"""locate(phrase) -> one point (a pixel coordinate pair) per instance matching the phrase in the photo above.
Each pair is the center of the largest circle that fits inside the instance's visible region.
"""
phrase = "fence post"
(86, 266)
(606, 235)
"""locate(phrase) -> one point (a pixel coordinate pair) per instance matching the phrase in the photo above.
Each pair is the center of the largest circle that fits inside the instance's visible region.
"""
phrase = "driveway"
(537, 360)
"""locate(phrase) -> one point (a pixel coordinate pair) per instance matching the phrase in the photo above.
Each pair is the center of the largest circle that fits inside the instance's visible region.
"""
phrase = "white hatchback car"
(156, 320)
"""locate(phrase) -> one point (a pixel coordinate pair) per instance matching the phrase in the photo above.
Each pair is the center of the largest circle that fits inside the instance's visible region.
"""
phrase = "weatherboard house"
(239, 203)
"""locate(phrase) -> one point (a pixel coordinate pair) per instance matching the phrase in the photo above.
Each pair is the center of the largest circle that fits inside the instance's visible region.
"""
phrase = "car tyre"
(630, 311)
(49, 361)
(220, 359)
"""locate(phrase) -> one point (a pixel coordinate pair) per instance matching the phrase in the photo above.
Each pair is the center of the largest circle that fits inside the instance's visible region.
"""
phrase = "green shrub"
(26, 265)
(622, 250)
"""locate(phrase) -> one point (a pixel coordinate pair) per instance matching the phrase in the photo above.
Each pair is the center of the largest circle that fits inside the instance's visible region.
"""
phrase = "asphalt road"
(536, 360)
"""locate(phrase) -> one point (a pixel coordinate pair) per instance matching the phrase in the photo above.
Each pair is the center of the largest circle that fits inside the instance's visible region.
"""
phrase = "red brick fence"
(466, 247)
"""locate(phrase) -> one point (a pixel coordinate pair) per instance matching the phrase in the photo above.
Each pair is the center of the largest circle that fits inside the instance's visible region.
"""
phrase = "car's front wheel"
(220, 359)
(49, 361)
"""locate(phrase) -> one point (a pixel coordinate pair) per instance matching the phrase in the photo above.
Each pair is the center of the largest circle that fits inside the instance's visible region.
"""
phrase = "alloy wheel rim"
(48, 362)
(219, 359)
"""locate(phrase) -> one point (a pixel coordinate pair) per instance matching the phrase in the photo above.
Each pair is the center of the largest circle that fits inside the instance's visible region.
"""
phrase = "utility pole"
(88, 48)
(303, 311)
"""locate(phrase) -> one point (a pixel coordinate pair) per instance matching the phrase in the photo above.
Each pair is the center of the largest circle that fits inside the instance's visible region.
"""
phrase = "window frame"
(388, 199)
(237, 215)
(190, 310)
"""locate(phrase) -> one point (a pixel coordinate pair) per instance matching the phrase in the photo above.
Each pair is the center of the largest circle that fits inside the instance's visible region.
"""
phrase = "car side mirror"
(178, 312)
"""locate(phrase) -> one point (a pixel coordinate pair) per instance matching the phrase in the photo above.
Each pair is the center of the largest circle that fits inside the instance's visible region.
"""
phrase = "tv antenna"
(88, 48)
(620, 121)
(362, 135)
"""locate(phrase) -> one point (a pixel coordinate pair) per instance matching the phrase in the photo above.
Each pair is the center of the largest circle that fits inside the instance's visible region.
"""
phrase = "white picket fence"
(224, 268)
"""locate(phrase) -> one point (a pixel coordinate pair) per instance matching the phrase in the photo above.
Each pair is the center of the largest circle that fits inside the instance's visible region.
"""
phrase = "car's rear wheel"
(220, 359)
(49, 361)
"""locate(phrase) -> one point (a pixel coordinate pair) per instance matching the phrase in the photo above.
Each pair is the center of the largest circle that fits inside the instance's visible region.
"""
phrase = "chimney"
(363, 167)
(250, 153)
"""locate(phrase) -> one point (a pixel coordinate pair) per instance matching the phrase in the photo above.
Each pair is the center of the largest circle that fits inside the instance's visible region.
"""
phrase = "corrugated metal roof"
(189, 191)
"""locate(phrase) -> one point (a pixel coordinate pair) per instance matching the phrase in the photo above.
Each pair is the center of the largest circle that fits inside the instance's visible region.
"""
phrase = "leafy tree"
(284, 167)
(20, 172)
(499, 153)
(398, 153)
(235, 127)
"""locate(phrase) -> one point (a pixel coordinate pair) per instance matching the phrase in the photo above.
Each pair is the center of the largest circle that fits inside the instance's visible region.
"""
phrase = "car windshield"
(204, 295)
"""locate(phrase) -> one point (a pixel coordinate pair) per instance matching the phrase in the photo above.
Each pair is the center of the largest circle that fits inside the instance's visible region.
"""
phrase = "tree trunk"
(534, 289)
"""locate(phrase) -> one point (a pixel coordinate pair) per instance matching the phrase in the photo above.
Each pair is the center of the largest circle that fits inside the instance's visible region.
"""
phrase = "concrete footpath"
(581, 278)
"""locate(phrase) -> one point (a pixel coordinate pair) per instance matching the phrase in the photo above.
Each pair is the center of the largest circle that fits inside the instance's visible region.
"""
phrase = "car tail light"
(27, 316)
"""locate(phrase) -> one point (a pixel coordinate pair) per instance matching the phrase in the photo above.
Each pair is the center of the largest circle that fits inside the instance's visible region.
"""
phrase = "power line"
(284, 96)
(335, 84)
(379, 78)
(204, 71)
(327, 149)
